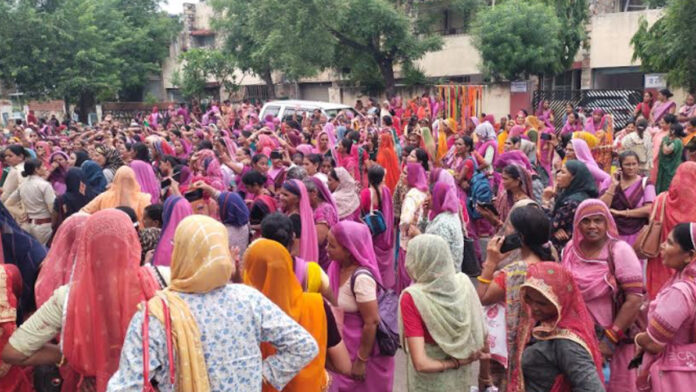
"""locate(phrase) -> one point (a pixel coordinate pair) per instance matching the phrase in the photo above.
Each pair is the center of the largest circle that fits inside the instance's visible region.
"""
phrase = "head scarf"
(124, 191)
(593, 207)
(386, 157)
(581, 187)
(44, 147)
(176, 208)
(23, 250)
(415, 176)
(428, 142)
(583, 154)
(80, 158)
(201, 262)
(445, 298)
(57, 267)
(346, 194)
(262, 206)
(444, 200)
(308, 237)
(103, 297)
(93, 176)
(593, 126)
(162, 148)
(517, 130)
(57, 176)
(485, 131)
(573, 322)
(324, 193)
(514, 157)
(147, 179)
(112, 157)
(233, 210)
(74, 197)
(268, 268)
(357, 240)
(679, 199)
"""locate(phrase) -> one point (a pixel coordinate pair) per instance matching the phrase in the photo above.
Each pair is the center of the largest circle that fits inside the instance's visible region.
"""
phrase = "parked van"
(286, 108)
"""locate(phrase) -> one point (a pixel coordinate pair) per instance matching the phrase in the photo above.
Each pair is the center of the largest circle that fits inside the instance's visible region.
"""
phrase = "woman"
(386, 157)
(499, 291)
(345, 193)
(77, 195)
(57, 267)
(487, 145)
(378, 198)
(574, 183)
(639, 141)
(37, 196)
(350, 248)
(678, 207)
(645, 106)
(670, 157)
(234, 214)
(564, 355)
(15, 155)
(124, 191)
(669, 338)
(545, 114)
(94, 176)
(325, 215)
(109, 159)
(176, 208)
(630, 197)
(440, 319)
(573, 124)
(610, 279)
(294, 202)
(59, 169)
(268, 268)
(504, 133)
(517, 186)
(147, 179)
(13, 378)
(579, 150)
(105, 277)
(215, 329)
(412, 210)
(662, 106)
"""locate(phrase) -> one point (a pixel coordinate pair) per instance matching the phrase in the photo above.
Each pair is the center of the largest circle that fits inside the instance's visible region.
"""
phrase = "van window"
(331, 113)
(272, 110)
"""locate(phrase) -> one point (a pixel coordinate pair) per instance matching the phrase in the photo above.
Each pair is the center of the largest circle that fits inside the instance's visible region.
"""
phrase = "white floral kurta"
(233, 321)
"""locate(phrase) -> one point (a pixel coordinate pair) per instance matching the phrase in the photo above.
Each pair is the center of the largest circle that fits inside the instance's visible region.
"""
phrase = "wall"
(457, 57)
(610, 44)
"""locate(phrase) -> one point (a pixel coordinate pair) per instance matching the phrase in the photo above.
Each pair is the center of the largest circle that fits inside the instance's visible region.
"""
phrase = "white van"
(286, 108)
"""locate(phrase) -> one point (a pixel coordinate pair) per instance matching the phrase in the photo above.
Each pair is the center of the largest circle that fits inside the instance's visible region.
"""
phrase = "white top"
(37, 196)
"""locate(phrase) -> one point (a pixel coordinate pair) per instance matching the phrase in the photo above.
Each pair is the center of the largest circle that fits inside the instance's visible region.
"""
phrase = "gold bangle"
(361, 359)
(484, 281)
(62, 361)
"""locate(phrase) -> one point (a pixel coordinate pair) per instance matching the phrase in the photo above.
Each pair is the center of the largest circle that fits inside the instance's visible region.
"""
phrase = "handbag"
(374, 220)
(647, 243)
(470, 263)
(387, 336)
(47, 378)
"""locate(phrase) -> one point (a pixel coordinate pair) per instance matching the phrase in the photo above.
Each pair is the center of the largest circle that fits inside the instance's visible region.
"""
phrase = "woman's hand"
(174, 188)
(413, 231)
(358, 370)
(561, 235)
(205, 187)
(615, 212)
(548, 193)
(493, 254)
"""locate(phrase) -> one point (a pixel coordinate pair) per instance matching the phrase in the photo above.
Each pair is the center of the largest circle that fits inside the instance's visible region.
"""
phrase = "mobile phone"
(489, 206)
(511, 242)
(194, 195)
(545, 136)
(165, 183)
(636, 361)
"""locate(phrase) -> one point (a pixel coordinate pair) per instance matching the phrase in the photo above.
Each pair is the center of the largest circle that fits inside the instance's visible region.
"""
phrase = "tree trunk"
(85, 103)
(386, 68)
(268, 78)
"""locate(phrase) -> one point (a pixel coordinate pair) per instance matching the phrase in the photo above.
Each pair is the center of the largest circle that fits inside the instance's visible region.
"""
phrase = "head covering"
(80, 158)
(23, 250)
(124, 191)
(581, 187)
(201, 262)
(176, 208)
(593, 207)
(77, 192)
(584, 155)
(357, 240)
(514, 157)
(444, 199)
(324, 192)
(147, 179)
(679, 199)
(573, 322)
(103, 297)
(517, 130)
(346, 194)
(57, 267)
(233, 210)
(309, 250)
(268, 268)
(415, 176)
(485, 131)
(112, 157)
(445, 298)
(386, 157)
(93, 176)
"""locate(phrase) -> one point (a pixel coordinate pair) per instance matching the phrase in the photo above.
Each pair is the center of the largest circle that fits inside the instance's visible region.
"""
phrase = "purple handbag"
(388, 308)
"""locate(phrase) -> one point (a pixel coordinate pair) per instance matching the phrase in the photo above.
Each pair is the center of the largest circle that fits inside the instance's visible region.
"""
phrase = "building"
(605, 64)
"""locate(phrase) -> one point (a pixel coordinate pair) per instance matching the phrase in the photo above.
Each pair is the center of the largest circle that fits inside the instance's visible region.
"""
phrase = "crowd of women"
(210, 249)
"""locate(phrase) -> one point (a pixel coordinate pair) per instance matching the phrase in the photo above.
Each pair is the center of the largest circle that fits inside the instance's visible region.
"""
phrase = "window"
(272, 110)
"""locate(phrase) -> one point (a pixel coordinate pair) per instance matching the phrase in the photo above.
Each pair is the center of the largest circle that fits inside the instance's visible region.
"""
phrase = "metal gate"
(619, 103)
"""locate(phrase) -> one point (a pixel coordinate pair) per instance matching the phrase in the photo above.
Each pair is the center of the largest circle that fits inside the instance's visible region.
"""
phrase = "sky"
(175, 6)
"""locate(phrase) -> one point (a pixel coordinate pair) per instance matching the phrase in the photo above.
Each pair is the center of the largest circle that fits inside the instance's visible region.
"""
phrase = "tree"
(519, 39)
(573, 16)
(82, 50)
(669, 46)
(198, 66)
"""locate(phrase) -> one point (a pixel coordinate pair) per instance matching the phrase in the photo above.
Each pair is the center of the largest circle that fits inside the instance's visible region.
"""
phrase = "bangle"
(62, 361)
(617, 332)
(611, 336)
(484, 281)
(455, 363)
(361, 359)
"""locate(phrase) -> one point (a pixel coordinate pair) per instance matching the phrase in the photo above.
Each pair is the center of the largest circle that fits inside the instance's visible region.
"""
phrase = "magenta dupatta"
(583, 154)
(176, 208)
(309, 249)
(659, 110)
(444, 200)
(415, 177)
(357, 240)
(145, 176)
(384, 243)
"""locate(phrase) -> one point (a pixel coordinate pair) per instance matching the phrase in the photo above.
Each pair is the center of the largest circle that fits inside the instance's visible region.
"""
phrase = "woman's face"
(569, 109)
(520, 120)
(12, 159)
(661, 97)
(629, 166)
(412, 157)
(460, 146)
(332, 182)
(336, 251)
(288, 200)
(593, 228)
(72, 159)
(689, 99)
(646, 97)
(60, 160)
(241, 155)
(195, 139)
(570, 152)
(630, 128)
(262, 166)
(99, 159)
(541, 308)
(64, 145)
(664, 125)
(673, 255)
(323, 141)
(124, 152)
(509, 146)
(596, 117)
(413, 141)
(564, 177)
(326, 167)
(178, 147)
(510, 184)
(310, 167)
(546, 105)
(41, 171)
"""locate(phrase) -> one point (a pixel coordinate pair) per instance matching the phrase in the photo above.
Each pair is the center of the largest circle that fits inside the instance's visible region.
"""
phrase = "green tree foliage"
(669, 45)
(198, 65)
(517, 39)
(82, 50)
(573, 16)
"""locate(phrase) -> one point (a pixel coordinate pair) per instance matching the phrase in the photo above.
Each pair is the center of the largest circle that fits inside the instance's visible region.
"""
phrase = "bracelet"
(484, 281)
(617, 332)
(361, 359)
(611, 335)
(62, 361)
(455, 363)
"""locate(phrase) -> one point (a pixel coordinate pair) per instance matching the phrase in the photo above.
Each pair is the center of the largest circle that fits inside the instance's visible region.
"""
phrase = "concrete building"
(606, 63)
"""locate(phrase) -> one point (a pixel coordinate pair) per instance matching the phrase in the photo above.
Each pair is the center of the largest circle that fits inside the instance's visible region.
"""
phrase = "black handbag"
(47, 378)
(470, 263)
